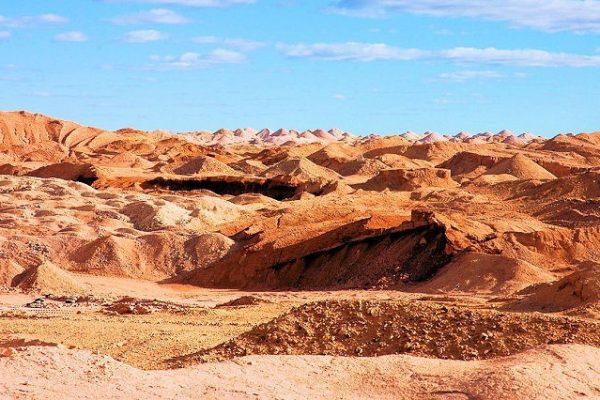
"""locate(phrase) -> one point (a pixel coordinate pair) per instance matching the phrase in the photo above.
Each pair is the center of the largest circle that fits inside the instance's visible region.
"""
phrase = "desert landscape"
(282, 264)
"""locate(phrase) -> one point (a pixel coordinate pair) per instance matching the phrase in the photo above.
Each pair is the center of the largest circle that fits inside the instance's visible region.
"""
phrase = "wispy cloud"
(519, 57)
(23, 21)
(189, 3)
(154, 16)
(352, 51)
(461, 76)
(144, 36)
(193, 60)
(239, 44)
(5, 35)
(365, 52)
(53, 19)
(582, 16)
(41, 93)
(340, 97)
(73, 36)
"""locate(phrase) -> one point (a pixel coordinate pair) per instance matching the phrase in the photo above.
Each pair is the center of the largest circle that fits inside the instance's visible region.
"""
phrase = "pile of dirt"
(147, 216)
(362, 166)
(580, 186)
(301, 169)
(108, 255)
(409, 179)
(132, 306)
(397, 161)
(128, 159)
(521, 167)
(436, 152)
(485, 273)
(352, 255)
(67, 171)
(9, 270)
(10, 169)
(158, 255)
(249, 166)
(254, 199)
(243, 301)
(208, 211)
(471, 164)
(579, 292)
(375, 328)
(205, 165)
(334, 156)
(382, 142)
(48, 278)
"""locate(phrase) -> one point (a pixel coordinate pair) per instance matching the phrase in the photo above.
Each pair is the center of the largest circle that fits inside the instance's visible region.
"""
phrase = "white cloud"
(74, 36)
(53, 19)
(156, 16)
(351, 51)
(189, 3)
(461, 76)
(191, 60)
(23, 21)
(41, 93)
(582, 16)
(5, 35)
(365, 52)
(340, 97)
(144, 36)
(239, 44)
(520, 57)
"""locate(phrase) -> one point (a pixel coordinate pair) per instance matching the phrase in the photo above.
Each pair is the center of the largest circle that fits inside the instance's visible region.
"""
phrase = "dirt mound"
(108, 255)
(521, 167)
(128, 159)
(362, 166)
(254, 199)
(373, 328)
(409, 179)
(384, 142)
(67, 171)
(301, 169)
(334, 156)
(212, 211)
(49, 278)
(471, 163)
(396, 161)
(432, 137)
(249, 166)
(146, 216)
(436, 152)
(585, 145)
(9, 270)
(132, 306)
(581, 186)
(24, 128)
(205, 165)
(485, 273)
(10, 169)
(579, 290)
(243, 301)
(352, 255)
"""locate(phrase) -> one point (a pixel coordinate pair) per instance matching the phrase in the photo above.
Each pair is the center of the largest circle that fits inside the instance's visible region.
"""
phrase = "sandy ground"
(555, 372)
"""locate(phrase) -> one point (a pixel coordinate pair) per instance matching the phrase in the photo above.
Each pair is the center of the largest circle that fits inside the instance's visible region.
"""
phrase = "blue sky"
(365, 66)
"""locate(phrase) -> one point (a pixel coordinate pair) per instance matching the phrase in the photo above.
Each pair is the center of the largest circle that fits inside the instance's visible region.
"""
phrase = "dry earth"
(318, 264)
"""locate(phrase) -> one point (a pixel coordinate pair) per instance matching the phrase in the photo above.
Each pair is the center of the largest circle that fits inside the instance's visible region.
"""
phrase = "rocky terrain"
(411, 265)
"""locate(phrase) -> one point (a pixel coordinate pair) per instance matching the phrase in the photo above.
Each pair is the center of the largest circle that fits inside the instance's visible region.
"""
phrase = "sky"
(365, 66)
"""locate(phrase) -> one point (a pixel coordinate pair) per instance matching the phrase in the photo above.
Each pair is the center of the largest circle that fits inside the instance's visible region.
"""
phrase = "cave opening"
(266, 187)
